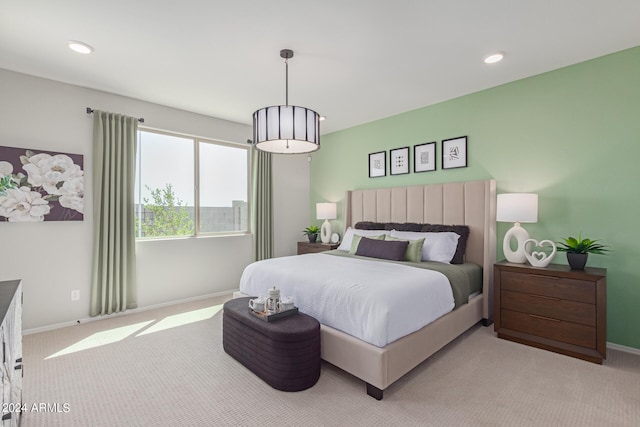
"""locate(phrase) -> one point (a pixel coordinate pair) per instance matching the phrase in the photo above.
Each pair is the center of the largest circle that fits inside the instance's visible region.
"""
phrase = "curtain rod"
(90, 111)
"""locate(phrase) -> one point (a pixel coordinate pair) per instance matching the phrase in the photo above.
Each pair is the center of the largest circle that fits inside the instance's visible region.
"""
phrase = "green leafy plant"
(168, 216)
(582, 246)
(312, 229)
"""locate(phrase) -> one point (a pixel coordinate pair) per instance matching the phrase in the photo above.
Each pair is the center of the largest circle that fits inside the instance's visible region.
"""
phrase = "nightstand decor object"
(326, 211)
(553, 308)
(516, 208)
(539, 258)
(311, 232)
(578, 249)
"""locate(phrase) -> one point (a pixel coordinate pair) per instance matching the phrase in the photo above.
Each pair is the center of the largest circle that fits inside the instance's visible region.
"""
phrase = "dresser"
(311, 248)
(11, 351)
(554, 308)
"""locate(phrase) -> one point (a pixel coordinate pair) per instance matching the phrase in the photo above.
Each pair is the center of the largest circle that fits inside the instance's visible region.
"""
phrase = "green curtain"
(113, 282)
(262, 205)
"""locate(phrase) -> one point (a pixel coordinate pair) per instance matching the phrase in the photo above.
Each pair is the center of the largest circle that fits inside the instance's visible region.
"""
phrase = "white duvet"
(377, 302)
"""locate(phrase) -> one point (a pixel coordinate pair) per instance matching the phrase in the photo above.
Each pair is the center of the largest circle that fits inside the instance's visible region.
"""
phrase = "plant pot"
(312, 237)
(577, 261)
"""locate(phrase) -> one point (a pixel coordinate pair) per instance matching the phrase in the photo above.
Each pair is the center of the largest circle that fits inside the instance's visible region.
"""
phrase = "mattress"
(373, 300)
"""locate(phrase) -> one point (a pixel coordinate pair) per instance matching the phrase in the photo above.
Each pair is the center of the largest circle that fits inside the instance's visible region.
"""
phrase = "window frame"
(196, 140)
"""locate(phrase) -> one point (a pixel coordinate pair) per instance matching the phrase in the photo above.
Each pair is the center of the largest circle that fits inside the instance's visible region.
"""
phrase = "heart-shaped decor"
(538, 258)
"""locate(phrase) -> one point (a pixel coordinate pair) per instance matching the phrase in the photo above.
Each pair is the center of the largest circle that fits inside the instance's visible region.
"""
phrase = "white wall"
(291, 201)
(54, 258)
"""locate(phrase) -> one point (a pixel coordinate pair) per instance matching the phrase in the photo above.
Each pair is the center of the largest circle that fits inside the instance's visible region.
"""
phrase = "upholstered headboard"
(471, 203)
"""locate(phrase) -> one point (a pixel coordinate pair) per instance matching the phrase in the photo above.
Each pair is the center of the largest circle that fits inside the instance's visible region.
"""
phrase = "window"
(188, 186)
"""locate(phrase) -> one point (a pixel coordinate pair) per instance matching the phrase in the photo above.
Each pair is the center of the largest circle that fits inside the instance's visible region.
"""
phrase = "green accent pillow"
(356, 241)
(414, 250)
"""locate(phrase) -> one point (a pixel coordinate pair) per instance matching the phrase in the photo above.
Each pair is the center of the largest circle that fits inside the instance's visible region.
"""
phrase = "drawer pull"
(545, 277)
(545, 297)
(544, 318)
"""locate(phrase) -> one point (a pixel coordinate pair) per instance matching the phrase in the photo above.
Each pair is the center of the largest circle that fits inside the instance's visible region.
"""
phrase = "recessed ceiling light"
(80, 47)
(494, 57)
(322, 118)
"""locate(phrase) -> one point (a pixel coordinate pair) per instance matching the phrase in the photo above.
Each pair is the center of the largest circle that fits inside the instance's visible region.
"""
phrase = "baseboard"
(624, 348)
(124, 313)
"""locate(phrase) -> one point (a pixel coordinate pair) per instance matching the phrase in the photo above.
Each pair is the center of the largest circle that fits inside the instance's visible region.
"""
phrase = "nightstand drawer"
(559, 330)
(312, 248)
(550, 286)
(555, 308)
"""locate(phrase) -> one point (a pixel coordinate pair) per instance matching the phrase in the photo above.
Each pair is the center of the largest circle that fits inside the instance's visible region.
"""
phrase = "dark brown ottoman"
(285, 353)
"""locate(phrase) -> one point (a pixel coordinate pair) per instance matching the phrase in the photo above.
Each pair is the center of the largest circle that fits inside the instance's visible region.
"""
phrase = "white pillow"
(345, 245)
(439, 247)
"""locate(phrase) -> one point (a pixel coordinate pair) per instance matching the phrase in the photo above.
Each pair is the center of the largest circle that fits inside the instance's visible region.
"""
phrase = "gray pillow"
(460, 230)
(356, 241)
(383, 249)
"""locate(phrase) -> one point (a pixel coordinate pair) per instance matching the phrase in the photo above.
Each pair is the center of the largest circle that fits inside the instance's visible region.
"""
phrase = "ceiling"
(355, 60)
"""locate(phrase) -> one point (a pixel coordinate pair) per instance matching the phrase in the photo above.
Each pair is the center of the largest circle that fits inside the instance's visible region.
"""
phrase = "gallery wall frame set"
(454, 155)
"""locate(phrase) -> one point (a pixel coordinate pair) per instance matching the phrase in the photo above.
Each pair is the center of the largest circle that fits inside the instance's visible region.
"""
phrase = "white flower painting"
(40, 186)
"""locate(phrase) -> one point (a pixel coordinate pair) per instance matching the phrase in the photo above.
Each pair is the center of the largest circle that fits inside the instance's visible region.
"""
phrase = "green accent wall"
(571, 135)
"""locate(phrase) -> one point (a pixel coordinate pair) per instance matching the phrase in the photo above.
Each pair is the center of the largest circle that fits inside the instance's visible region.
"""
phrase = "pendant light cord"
(286, 84)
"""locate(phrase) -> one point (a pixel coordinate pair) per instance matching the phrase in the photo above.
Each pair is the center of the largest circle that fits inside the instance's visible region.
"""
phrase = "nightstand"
(312, 248)
(554, 308)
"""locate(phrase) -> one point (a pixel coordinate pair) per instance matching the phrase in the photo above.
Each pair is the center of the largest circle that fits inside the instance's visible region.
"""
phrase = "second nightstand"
(311, 248)
(554, 308)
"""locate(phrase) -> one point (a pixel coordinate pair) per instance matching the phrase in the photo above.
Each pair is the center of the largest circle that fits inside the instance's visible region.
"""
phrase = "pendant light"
(286, 129)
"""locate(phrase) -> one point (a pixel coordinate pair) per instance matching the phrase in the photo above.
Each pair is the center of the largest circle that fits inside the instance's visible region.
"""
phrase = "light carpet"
(166, 367)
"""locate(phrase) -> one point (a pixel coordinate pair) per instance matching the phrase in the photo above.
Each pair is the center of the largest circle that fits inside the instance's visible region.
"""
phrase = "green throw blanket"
(460, 276)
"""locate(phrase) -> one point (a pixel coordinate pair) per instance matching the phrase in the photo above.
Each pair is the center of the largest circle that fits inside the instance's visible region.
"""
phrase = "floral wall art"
(40, 186)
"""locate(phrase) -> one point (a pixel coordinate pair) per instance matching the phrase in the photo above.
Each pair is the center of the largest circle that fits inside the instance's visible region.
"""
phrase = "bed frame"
(470, 203)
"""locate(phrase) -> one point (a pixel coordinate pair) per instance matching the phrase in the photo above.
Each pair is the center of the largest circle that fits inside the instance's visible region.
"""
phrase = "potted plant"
(579, 249)
(312, 232)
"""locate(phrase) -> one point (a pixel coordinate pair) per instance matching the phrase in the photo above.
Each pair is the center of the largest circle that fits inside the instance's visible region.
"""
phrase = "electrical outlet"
(75, 295)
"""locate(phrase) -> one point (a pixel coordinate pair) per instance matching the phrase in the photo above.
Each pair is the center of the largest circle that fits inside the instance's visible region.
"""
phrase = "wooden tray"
(270, 317)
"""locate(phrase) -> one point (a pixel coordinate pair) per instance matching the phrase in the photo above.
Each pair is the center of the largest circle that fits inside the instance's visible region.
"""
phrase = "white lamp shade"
(286, 129)
(326, 211)
(517, 207)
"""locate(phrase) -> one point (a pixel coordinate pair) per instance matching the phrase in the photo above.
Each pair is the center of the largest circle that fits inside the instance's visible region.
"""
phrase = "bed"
(464, 203)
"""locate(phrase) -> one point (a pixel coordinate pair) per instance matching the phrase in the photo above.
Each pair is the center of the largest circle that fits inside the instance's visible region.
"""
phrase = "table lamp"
(516, 208)
(326, 211)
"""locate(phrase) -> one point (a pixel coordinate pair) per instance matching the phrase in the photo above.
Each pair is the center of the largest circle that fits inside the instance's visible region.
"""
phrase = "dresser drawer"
(550, 286)
(555, 308)
(558, 330)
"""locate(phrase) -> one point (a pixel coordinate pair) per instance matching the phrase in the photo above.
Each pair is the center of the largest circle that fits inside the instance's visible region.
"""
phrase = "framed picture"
(424, 157)
(399, 161)
(38, 185)
(454, 153)
(377, 164)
